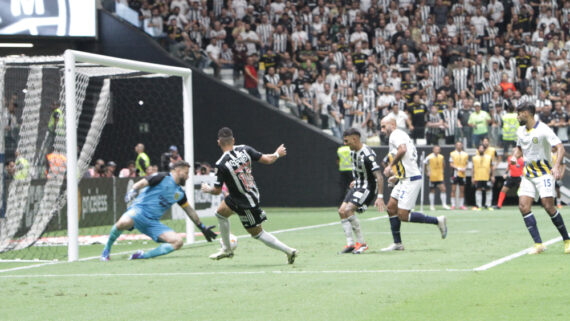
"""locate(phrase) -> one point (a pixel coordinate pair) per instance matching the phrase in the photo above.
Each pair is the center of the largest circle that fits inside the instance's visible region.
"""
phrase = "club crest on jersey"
(535, 140)
(176, 196)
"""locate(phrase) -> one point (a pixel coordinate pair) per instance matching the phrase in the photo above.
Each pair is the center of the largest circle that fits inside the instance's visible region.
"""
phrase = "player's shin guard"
(479, 198)
(347, 227)
(395, 228)
(162, 249)
(355, 223)
(559, 223)
(488, 197)
(502, 196)
(461, 201)
(417, 217)
(443, 198)
(224, 230)
(431, 199)
(271, 241)
(113, 236)
(530, 222)
(453, 201)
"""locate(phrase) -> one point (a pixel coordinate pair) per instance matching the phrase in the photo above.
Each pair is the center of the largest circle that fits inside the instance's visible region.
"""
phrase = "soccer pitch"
(477, 273)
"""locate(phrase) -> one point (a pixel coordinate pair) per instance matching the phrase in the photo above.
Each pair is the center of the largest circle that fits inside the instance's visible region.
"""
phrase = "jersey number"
(547, 183)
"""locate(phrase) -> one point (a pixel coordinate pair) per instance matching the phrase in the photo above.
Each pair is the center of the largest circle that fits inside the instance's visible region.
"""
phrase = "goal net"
(60, 116)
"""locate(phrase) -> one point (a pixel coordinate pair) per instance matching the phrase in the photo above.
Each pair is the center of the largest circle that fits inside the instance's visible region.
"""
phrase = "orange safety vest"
(57, 164)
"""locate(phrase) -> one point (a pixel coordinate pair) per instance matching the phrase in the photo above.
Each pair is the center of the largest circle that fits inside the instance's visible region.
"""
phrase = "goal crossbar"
(70, 59)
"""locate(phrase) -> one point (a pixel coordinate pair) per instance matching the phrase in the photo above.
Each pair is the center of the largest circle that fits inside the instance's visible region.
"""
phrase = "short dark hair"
(527, 106)
(225, 135)
(225, 132)
(179, 163)
(351, 131)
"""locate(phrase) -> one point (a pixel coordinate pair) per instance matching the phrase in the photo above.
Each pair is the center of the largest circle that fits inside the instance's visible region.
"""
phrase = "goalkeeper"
(157, 194)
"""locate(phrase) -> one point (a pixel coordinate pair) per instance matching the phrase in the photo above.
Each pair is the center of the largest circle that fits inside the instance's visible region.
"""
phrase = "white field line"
(512, 256)
(353, 272)
(198, 242)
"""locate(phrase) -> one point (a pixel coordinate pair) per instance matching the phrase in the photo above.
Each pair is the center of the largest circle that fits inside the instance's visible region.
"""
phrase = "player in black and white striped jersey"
(366, 188)
(234, 170)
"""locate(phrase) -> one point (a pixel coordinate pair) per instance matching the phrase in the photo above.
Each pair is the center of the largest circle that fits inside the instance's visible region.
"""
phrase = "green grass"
(431, 280)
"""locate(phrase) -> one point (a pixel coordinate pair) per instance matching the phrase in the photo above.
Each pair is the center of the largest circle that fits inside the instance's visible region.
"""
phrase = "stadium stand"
(450, 53)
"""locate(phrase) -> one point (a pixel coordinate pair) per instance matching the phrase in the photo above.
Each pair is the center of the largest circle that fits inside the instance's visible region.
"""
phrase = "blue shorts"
(148, 226)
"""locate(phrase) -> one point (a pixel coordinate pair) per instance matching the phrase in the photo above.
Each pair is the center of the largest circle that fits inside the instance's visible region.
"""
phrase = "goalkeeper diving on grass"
(158, 193)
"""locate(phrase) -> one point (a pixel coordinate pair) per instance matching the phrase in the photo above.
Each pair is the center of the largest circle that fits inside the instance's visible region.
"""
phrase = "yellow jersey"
(435, 163)
(459, 159)
(482, 167)
(388, 160)
(491, 151)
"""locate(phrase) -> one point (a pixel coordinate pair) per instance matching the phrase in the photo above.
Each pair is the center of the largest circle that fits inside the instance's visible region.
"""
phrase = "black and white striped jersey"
(363, 165)
(234, 169)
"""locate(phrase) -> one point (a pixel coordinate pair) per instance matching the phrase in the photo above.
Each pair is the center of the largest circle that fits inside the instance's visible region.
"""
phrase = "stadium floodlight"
(78, 81)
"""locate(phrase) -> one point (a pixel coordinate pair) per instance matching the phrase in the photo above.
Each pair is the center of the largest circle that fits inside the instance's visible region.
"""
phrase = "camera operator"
(169, 158)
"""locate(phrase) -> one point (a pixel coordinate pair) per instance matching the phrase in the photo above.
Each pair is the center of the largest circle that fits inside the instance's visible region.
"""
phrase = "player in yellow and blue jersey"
(534, 142)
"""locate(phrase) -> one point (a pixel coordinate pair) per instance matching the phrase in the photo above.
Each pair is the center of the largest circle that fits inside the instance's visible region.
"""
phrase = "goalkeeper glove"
(207, 231)
(131, 195)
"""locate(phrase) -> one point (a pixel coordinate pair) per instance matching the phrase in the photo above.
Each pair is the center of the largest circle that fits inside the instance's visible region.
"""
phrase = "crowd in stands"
(443, 69)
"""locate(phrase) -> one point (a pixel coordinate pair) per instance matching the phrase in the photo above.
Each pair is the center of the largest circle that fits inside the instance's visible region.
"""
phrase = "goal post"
(71, 57)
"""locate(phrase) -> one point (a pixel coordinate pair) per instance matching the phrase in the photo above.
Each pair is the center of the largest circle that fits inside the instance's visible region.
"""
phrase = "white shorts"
(406, 193)
(535, 187)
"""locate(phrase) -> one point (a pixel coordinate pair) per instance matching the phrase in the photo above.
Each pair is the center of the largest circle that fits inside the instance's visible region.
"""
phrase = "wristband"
(276, 154)
(380, 196)
(201, 226)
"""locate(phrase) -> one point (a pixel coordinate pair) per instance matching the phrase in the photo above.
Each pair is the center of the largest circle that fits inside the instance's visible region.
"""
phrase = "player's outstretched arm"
(269, 159)
(134, 191)
(206, 188)
(517, 152)
(206, 230)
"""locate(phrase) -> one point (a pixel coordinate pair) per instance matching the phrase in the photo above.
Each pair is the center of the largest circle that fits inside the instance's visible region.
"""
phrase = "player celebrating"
(366, 187)
(534, 141)
(513, 180)
(458, 160)
(435, 164)
(234, 169)
(562, 171)
(483, 177)
(405, 193)
(158, 193)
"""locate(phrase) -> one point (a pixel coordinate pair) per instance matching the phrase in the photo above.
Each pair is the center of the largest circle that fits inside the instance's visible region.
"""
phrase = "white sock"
(461, 201)
(431, 199)
(443, 198)
(479, 198)
(271, 241)
(453, 201)
(224, 230)
(347, 227)
(356, 228)
(488, 198)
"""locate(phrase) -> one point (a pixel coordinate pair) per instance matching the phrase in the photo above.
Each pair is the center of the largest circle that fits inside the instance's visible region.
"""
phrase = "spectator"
(561, 122)
(251, 82)
(98, 170)
(335, 116)
(110, 169)
(402, 120)
(8, 176)
(272, 84)
(129, 171)
(435, 126)
(418, 110)
(169, 158)
(479, 120)
(11, 126)
(142, 162)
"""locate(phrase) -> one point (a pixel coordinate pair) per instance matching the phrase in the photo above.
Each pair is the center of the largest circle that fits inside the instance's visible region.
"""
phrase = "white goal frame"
(70, 59)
